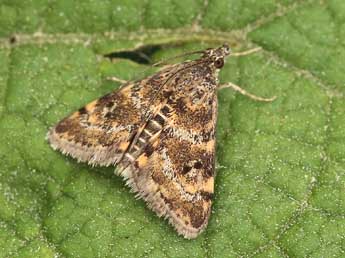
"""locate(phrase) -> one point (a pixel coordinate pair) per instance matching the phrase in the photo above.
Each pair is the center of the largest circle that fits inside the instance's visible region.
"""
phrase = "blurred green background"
(280, 189)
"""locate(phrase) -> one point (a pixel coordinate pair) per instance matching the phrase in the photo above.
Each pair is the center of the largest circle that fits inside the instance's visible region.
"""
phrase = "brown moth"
(160, 132)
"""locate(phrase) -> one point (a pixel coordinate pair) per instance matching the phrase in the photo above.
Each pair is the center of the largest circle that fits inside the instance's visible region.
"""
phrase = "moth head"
(217, 55)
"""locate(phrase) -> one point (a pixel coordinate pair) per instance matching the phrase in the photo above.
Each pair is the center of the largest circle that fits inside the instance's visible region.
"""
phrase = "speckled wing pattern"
(160, 132)
(101, 132)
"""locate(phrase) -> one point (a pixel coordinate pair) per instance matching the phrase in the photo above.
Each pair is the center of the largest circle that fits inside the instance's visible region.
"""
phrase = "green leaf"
(280, 165)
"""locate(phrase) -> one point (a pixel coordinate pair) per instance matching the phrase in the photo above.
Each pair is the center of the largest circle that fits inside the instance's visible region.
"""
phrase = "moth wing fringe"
(82, 153)
(143, 190)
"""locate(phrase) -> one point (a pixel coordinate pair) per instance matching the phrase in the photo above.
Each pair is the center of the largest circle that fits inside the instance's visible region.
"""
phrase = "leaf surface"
(280, 166)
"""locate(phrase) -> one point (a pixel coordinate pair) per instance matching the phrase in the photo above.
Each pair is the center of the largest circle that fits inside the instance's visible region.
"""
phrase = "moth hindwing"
(160, 132)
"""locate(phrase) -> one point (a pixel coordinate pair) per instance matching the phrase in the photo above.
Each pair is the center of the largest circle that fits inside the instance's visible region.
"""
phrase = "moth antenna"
(115, 79)
(178, 56)
(162, 62)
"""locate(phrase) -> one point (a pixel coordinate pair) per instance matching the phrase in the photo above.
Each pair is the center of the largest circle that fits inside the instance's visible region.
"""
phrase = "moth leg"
(245, 93)
(247, 52)
(115, 79)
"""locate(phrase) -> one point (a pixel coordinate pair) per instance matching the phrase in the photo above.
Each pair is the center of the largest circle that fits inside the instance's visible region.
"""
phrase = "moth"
(160, 134)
